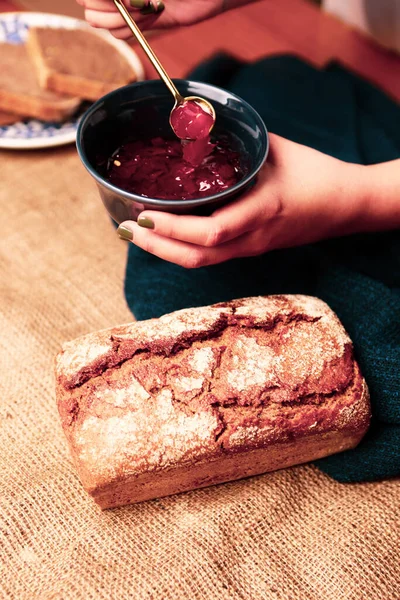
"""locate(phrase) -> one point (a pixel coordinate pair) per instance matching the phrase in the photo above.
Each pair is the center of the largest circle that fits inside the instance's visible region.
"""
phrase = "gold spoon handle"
(147, 49)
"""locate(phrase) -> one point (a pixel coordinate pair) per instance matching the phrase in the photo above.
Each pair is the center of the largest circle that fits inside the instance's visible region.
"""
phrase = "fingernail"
(125, 233)
(138, 3)
(145, 222)
(148, 7)
(159, 6)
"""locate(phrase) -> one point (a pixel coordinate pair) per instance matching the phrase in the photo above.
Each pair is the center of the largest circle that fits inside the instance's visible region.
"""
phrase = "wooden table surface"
(270, 27)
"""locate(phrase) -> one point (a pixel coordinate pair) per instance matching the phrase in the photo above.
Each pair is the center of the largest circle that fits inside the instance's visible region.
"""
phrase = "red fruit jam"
(192, 125)
(190, 122)
(171, 170)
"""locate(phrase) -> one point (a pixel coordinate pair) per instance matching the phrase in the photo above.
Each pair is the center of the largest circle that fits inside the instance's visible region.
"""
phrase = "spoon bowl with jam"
(192, 119)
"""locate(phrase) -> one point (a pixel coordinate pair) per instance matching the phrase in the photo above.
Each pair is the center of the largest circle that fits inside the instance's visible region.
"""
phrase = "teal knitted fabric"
(337, 113)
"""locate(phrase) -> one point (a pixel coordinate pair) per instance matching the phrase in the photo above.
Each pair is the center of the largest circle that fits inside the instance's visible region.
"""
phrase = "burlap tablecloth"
(290, 535)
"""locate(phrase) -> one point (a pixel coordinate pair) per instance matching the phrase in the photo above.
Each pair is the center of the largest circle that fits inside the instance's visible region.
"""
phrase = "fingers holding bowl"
(189, 255)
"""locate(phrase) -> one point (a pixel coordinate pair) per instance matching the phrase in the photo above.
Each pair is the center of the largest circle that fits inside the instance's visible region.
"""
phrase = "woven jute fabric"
(290, 535)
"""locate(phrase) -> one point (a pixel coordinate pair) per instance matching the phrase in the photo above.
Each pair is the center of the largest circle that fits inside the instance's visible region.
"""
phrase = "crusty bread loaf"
(208, 395)
(77, 62)
(20, 92)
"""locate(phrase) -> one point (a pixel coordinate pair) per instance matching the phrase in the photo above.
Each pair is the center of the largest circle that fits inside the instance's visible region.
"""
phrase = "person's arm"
(380, 190)
(302, 196)
(171, 13)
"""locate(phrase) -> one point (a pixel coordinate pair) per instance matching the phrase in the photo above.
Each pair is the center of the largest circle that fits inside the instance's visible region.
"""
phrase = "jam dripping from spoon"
(192, 124)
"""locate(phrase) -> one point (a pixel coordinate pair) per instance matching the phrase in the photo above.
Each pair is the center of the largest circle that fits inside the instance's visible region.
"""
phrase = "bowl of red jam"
(126, 142)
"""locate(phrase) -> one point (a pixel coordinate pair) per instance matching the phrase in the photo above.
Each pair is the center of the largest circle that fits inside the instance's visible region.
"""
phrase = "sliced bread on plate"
(77, 62)
(20, 92)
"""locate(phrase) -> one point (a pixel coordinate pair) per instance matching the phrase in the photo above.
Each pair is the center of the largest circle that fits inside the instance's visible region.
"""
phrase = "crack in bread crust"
(121, 351)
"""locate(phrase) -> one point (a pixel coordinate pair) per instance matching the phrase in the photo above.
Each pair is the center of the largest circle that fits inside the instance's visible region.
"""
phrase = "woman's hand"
(104, 14)
(301, 196)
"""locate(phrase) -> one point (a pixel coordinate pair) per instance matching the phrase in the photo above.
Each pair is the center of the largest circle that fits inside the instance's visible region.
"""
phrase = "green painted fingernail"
(148, 10)
(148, 7)
(138, 3)
(145, 222)
(125, 233)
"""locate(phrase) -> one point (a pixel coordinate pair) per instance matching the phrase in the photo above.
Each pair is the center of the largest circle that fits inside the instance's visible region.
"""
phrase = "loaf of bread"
(208, 395)
(20, 92)
(78, 62)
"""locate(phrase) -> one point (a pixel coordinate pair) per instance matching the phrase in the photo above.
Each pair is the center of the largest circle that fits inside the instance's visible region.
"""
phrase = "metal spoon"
(179, 99)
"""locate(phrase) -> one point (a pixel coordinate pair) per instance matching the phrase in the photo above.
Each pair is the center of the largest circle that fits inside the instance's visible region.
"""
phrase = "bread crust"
(208, 395)
(8, 118)
(36, 107)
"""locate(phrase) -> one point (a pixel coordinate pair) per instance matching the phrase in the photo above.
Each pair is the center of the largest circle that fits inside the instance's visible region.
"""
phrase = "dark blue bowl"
(140, 111)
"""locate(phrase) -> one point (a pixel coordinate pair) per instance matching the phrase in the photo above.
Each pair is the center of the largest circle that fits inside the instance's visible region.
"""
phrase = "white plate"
(32, 133)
